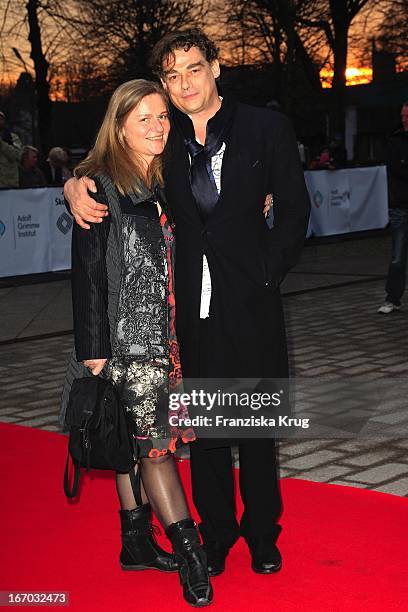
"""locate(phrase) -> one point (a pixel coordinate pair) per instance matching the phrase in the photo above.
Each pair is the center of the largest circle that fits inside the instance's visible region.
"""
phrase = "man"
(397, 171)
(56, 169)
(229, 265)
(29, 173)
(10, 151)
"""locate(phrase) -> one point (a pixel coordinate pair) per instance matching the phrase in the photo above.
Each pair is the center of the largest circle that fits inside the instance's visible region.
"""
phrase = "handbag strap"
(86, 444)
(135, 482)
(71, 492)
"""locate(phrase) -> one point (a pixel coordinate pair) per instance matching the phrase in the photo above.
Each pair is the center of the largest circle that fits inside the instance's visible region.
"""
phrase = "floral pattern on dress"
(144, 384)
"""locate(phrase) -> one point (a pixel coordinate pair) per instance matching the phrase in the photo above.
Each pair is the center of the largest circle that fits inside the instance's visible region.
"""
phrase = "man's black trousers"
(214, 490)
(213, 482)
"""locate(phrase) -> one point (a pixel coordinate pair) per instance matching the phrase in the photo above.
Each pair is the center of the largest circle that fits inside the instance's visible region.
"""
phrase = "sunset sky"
(359, 64)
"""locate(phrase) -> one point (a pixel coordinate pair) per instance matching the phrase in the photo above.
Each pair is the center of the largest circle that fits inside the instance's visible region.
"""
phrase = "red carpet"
(344, 548)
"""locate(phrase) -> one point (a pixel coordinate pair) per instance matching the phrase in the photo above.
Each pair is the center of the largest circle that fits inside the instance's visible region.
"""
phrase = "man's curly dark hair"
(181, 39)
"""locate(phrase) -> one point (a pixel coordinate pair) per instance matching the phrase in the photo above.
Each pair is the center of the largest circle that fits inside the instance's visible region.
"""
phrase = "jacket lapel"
(232, 161)
(177, 173)
(177, 179)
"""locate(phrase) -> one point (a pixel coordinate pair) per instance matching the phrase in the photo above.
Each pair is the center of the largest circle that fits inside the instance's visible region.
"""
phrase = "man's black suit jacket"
(247, 259)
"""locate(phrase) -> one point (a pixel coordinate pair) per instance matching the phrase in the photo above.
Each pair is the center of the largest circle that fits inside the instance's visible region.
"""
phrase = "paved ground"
(330, 303)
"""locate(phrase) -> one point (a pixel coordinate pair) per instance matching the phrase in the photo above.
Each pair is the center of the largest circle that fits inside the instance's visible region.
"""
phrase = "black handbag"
(100, 432)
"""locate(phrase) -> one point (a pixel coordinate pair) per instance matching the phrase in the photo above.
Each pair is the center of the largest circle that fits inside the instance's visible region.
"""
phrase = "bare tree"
(267, 31)
(41, 66)
(123, 32)
(81, 49)
(336, 27)
(40, 31)
(307, 32)
(392, 33)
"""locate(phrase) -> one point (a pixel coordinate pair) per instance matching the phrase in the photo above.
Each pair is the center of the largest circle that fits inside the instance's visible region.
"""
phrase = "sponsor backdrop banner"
(35, 228)
(35, 231)
(61, 224)
(330, 198)
(369, 195)
(24, 244)
(349, 200)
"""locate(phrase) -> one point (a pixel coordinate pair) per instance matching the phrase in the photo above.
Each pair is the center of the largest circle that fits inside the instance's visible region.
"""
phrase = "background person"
(321, 161)
(397, 171)
(337, 152)
(10, 151)
(56, 169)
(127, 327)
(30, 174)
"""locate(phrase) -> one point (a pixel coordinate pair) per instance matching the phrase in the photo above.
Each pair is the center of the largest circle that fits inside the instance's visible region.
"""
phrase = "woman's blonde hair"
(110, 154)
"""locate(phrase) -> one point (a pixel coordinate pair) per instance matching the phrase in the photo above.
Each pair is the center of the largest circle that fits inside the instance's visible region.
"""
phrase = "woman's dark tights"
(160, 485)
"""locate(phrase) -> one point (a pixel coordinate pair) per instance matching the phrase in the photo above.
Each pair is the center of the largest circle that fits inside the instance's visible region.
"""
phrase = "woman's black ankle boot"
(192, 562)
(139, 547)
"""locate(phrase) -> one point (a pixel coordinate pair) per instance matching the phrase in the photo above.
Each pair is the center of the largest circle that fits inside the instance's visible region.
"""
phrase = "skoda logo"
(64, 223)
(2, 228)
(318, 199)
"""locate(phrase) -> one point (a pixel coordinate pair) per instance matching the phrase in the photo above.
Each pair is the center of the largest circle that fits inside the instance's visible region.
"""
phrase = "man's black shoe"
(266, 558)
(216, 555)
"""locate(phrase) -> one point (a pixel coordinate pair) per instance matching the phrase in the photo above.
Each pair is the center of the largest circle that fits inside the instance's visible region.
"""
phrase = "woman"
(124, 323)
